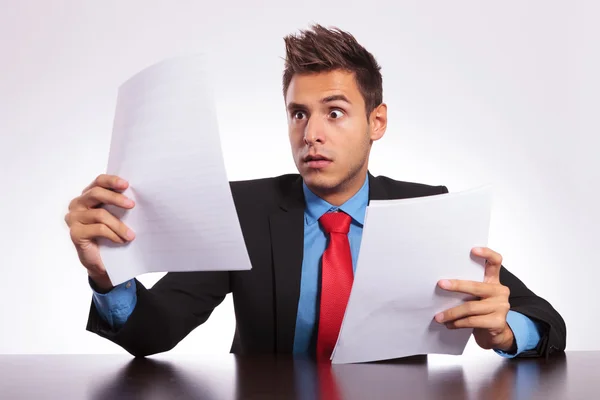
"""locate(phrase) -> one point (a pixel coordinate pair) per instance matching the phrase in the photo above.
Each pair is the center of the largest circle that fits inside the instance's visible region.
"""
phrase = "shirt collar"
(355, 206)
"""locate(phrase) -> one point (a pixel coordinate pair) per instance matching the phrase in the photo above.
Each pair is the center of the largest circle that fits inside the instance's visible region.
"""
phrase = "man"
(302, 232)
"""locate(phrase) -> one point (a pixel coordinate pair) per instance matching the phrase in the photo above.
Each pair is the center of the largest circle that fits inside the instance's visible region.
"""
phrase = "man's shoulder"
(273, 188)
(400, 189)
(260, 185)
(265, 191)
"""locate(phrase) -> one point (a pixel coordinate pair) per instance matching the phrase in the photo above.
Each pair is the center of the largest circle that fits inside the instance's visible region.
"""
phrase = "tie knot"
(338, 222)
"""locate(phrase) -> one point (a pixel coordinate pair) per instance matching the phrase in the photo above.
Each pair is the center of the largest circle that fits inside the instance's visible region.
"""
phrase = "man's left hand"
(487, 314)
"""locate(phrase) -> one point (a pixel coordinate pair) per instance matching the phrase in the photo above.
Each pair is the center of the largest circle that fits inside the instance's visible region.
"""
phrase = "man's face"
(329, 132)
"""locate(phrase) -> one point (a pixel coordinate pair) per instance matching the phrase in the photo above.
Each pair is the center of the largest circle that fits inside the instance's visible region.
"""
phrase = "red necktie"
(336, 281)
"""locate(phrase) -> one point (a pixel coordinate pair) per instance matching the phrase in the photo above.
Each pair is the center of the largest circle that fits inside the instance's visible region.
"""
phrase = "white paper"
(166, 144)
(407, 247)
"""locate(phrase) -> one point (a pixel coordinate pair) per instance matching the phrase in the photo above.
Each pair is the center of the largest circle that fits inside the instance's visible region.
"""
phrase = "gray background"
(478, 92)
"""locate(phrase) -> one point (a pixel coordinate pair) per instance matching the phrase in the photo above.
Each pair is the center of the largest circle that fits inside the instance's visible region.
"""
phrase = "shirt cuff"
(118, 304)
(525, 331)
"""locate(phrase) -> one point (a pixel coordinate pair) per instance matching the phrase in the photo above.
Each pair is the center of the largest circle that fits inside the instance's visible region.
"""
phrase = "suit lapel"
(287, 244)
(376, 189)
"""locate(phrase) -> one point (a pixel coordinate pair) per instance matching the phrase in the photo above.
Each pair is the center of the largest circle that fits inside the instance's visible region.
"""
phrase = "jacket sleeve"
(553, 329)
(166, 313)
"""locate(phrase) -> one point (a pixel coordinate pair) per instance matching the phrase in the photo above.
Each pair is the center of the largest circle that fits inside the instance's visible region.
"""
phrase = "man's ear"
(378, 122)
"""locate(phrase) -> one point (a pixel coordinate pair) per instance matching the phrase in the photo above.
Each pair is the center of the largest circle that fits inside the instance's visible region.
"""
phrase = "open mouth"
(316, 157)
(317, 161)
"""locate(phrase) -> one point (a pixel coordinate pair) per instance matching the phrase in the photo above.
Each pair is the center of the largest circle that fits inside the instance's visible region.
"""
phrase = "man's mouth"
(317, 161)
(315, 157)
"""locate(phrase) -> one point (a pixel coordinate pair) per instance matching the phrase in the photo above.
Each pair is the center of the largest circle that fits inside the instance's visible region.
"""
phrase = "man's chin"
(320, 181)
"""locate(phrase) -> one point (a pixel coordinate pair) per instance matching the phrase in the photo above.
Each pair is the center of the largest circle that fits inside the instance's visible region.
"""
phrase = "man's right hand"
(88, 221)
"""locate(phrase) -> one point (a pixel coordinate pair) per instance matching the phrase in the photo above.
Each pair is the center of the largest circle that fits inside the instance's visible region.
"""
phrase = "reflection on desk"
(282, 377)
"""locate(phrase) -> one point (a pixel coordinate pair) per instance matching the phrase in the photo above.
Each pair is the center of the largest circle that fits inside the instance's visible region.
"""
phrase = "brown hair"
(321, 49)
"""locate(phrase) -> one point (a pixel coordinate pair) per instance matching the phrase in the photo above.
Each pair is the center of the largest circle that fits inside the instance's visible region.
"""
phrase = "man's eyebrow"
(335, 97)
(324, 100)
(296, 106)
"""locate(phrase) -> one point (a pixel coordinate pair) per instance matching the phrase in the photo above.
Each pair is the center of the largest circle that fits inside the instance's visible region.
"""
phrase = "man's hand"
(487, 314)
(87, 221)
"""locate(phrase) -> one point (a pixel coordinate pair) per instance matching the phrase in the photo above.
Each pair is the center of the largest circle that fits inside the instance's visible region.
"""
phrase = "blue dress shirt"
(116, 306)
(315, 243)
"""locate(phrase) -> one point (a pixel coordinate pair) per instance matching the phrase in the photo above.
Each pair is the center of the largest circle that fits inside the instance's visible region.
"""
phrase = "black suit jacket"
(266, 297)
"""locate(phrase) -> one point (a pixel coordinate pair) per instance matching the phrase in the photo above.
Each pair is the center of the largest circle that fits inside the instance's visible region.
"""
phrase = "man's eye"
(336, 114)
(299, 115)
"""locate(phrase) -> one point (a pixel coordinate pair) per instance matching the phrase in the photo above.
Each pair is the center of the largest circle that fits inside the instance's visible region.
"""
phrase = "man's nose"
(314, 131)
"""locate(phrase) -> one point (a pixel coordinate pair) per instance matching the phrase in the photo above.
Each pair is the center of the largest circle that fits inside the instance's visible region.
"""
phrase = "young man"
(302, 232)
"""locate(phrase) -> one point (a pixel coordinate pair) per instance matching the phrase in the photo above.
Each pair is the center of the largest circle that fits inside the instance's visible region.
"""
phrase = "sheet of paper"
(166, 143)
(407, 247)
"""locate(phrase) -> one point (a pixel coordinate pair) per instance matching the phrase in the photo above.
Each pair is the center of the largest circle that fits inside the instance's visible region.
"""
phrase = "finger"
(493, 263)
(492, 273)
(102, 216)
(82, 233)
(98, 195)
(477, 289)
(470, 308)
(108, 182)
(489, 321)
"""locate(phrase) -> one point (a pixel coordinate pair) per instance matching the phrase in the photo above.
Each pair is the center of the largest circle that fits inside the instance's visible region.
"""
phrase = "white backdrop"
(478, 92)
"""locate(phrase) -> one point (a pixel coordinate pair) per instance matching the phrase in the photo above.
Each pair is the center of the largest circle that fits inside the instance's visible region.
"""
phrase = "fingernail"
(478, 249)
(445, 284)
(439, 317)
(130, 235)
(128, 203)
(121, 183)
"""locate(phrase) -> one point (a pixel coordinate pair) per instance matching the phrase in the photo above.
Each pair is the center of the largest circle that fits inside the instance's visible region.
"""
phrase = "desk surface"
(571, 376)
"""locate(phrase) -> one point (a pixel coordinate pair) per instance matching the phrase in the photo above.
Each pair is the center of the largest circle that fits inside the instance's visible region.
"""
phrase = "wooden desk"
(575, 375)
